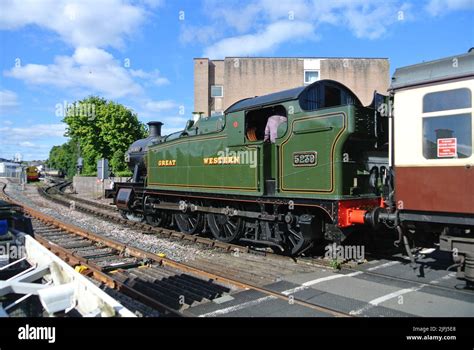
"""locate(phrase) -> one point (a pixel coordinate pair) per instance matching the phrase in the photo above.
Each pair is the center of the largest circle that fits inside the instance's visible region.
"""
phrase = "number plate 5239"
(309, 158)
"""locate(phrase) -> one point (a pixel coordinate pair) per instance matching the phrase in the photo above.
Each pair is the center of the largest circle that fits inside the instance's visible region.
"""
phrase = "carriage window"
(446, 100)
(447, 136)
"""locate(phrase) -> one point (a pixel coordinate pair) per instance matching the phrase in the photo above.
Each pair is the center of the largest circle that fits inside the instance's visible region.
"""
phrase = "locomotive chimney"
(155, 128)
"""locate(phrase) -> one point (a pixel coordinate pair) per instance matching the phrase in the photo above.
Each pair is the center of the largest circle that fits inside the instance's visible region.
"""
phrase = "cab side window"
(256, 122)
(325, 95)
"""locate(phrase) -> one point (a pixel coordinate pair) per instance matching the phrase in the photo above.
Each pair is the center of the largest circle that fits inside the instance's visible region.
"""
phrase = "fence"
(13, 174)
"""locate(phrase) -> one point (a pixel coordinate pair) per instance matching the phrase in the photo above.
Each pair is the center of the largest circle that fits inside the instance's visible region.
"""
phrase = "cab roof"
(283, 96)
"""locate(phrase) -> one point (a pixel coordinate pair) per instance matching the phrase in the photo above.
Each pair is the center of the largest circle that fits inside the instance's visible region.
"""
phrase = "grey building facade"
(220, 83)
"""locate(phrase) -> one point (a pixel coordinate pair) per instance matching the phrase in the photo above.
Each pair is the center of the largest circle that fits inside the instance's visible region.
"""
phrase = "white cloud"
(235, 14)
(33, 141)
(154, 77)
(8, 100)
(91, 69)
(80, 23)
(92, 57)
(151, 3)
(262, 26)
(196, 34)
(159, 106)
(27, 144)
(441, 7)
(264, 41)
(88, 26)
(32, 132)
(371, 21)
(246, 29)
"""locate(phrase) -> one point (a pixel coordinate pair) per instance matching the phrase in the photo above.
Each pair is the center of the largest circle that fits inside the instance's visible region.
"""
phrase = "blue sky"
(140, 52)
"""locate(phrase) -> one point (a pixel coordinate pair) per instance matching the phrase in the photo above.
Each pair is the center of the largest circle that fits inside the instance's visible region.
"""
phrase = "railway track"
(56, 194)
(90, 207)
(148, 280)
(168, 286)
(59, 188)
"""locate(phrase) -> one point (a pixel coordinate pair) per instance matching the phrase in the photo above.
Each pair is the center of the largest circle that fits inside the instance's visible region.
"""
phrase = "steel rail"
(163, 261)
(232, 247)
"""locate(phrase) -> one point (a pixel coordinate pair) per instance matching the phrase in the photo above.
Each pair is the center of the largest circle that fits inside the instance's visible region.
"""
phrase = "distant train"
(335, 167)
(32, 173)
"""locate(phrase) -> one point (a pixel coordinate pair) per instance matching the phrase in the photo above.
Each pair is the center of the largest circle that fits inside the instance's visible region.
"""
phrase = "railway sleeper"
(180, 280)
(167, 284)
(189, 281)
(78, 244)
(209, 284)
(151, 291)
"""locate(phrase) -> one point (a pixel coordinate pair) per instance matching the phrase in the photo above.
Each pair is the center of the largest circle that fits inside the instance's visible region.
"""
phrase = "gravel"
(176, 250)
(107, 201)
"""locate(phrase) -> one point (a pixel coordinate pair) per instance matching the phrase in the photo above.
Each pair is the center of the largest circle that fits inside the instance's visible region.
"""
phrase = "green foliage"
(102, 129)
(335, 264)
(64, 158)
(91, 174)
(126, 173)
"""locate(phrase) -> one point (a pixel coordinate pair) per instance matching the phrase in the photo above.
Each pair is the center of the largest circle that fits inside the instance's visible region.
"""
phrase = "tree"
(103, 129)
(64, 158)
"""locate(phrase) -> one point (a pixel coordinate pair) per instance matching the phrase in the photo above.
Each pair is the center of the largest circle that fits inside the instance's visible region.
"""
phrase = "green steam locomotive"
(323, 168)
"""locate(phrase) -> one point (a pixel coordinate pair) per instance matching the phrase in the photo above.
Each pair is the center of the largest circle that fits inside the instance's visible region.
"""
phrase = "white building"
(8, 169)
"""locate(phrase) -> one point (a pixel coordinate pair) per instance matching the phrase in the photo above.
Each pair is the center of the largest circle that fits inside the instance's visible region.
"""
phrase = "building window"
(445, 100)
(310, 76)
(217, 91)
(447, 136)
